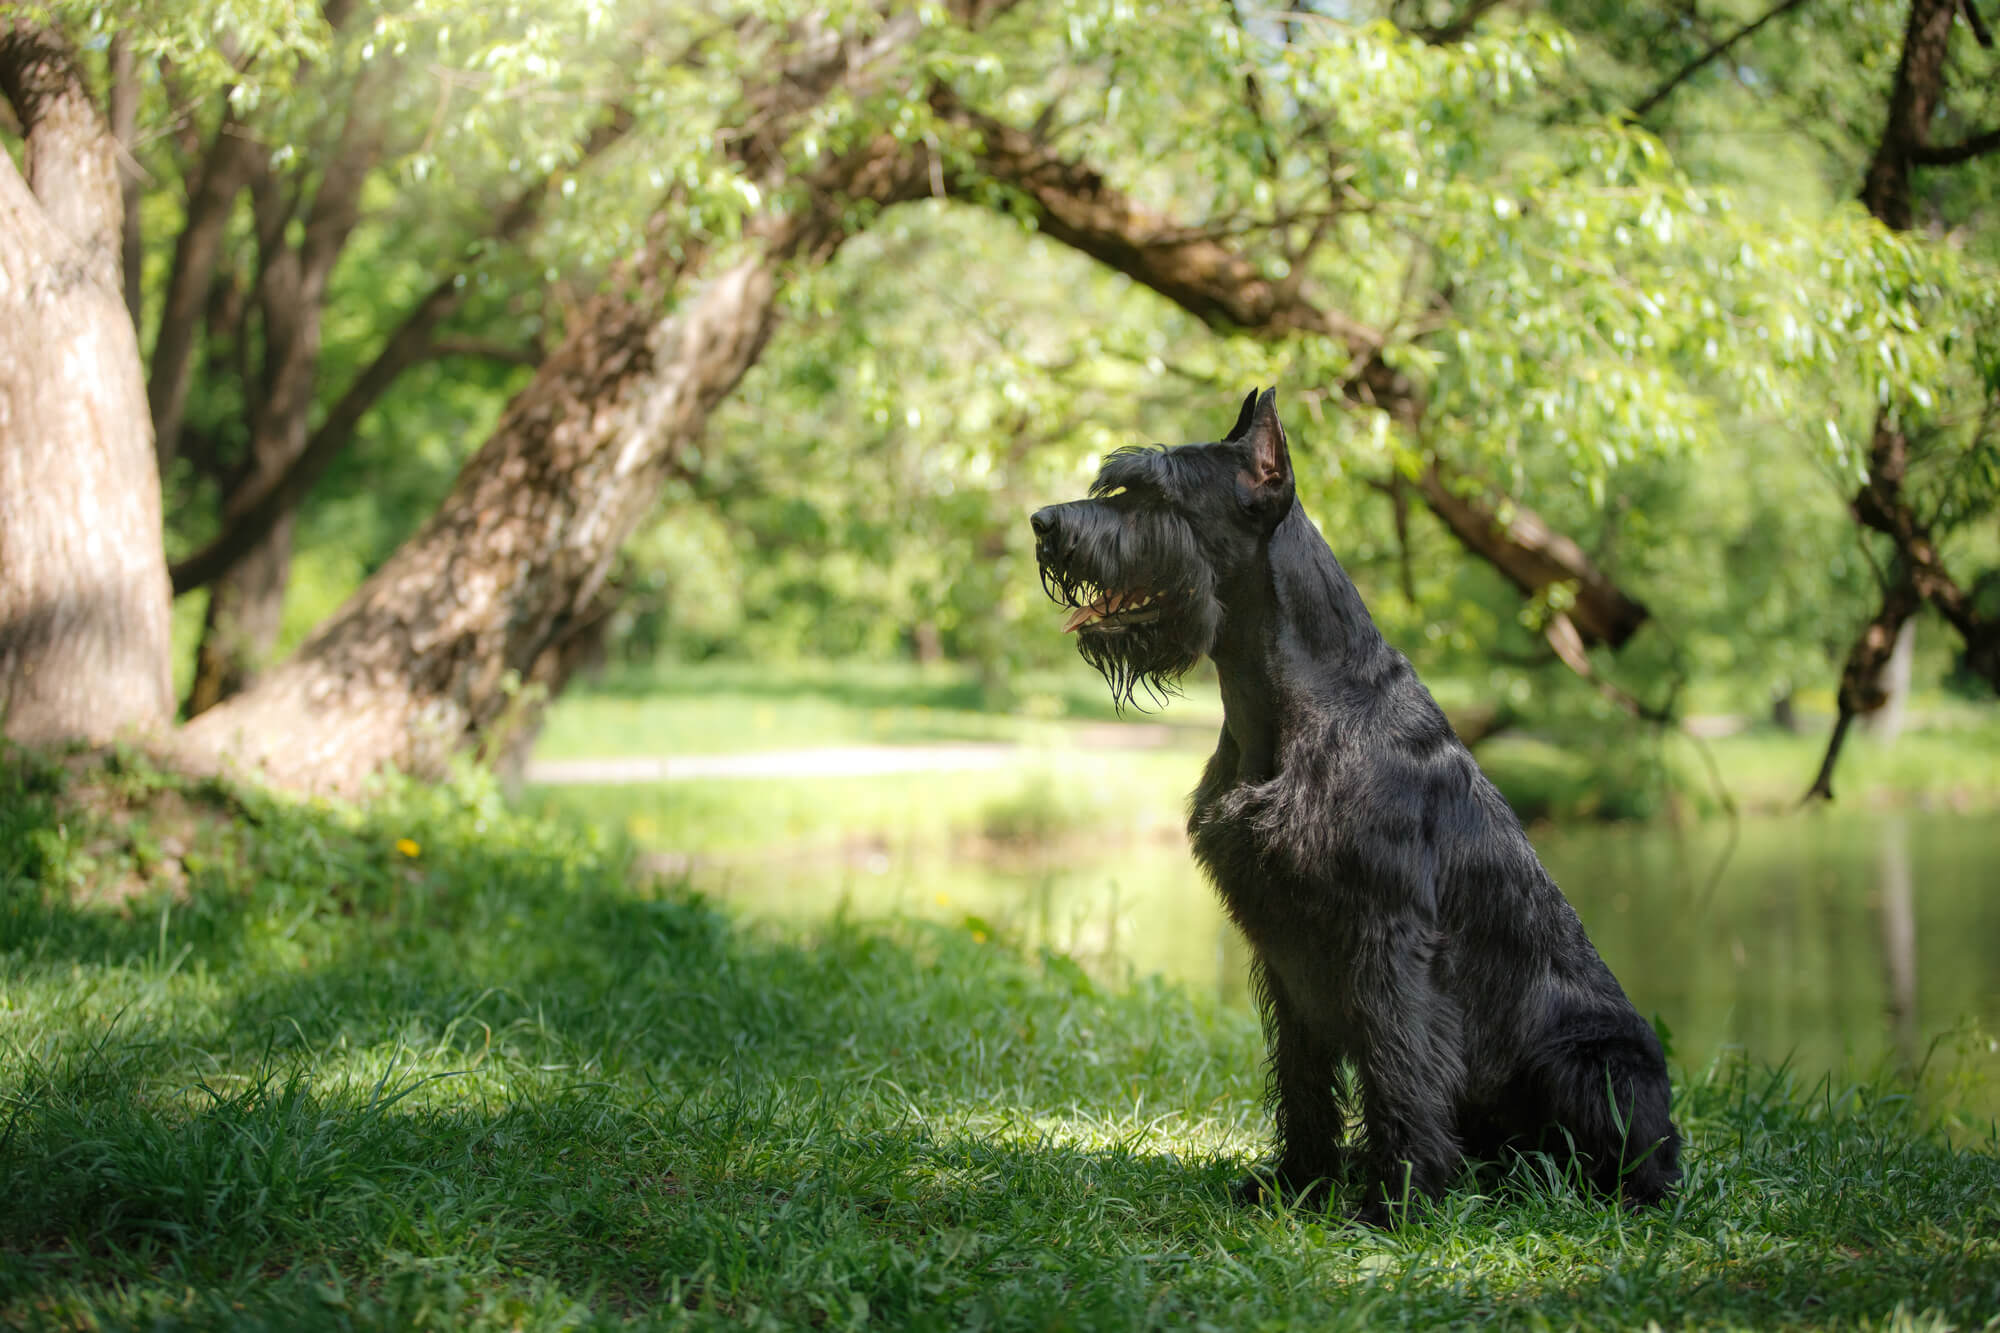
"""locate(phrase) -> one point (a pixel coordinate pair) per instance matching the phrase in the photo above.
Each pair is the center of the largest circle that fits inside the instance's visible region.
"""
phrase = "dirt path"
(838, 761)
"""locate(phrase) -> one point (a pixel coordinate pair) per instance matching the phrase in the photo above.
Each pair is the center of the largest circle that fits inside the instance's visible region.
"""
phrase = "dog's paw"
(1379, 1216)
(1257, 1189)
(1267, 1186)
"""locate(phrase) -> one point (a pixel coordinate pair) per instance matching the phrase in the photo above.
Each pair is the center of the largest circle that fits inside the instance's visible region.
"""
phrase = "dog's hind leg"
(1412, 1074)
(1605, 1087)
(1307, 1089)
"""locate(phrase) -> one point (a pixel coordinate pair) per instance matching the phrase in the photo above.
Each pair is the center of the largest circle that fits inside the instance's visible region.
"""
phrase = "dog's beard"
(1142, 657)
(1138, 639)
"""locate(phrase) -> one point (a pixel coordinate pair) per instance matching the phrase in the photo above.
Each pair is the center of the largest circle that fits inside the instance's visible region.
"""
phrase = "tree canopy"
(1640, 350)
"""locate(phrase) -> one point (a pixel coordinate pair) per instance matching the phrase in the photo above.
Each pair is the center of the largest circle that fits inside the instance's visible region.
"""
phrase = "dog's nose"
(1043, 521)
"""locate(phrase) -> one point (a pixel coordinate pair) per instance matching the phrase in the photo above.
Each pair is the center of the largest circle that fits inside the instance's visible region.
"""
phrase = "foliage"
(424, 1064)
(1669, 335)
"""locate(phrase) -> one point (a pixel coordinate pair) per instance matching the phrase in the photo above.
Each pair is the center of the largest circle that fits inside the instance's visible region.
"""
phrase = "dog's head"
(1149, 561)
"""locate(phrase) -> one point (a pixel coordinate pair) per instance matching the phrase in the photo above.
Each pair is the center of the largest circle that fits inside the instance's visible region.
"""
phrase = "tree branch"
(1980, 32)
(1533, 557)
(1859, 691)
(1913, 99)
(1459, 26)
(486, 349)
(124, 129)
(1881, 505)
(1951, 155)
(1073, 204)
(225, 169)
(1660, 94)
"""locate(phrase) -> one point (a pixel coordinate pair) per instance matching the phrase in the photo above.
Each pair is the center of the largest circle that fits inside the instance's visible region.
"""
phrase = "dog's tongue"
(1083, 615)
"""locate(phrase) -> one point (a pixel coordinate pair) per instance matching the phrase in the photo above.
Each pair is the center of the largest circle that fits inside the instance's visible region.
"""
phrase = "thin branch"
(487, 349)
(336, 203)
(1567, 643)
(1980, 32)
(1253, 92)
(1702, 61)
(1952, 154)
(225, 169)
(1459, 26)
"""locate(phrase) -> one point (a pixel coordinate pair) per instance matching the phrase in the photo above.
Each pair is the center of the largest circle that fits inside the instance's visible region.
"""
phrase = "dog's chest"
(1234, 832)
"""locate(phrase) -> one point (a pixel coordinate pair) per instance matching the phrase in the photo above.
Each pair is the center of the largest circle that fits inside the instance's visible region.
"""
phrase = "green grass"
(264, 1068)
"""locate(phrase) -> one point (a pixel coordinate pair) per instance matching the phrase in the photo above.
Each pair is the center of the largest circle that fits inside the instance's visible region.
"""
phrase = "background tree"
(83, 600)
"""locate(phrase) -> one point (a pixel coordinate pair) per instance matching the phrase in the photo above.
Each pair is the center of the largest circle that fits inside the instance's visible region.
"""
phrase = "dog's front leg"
(1307, 1091)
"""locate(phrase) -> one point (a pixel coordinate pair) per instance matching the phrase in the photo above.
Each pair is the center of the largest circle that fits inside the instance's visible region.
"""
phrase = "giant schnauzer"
(1398, 920)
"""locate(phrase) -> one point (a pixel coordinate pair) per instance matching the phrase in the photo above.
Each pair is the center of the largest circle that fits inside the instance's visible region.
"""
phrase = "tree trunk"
(434, 647)
(1892, 684)
(1880, 502)
(83, 584)
(246, 607)
(432, 653)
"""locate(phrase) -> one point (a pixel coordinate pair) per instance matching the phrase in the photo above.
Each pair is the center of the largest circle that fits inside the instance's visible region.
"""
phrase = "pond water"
(1842, 943)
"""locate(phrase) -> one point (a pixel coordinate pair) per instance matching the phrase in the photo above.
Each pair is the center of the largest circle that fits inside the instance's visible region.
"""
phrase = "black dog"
(1398, 918)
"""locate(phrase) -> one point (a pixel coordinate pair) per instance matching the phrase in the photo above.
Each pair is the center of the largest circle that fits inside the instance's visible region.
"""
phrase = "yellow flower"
(408, 847)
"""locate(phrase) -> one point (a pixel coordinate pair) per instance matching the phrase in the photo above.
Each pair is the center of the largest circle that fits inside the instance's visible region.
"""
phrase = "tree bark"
(224, 172)
(1533, 557)
(1913, 100)
(434, 647)
(83, 591)
(124, 109)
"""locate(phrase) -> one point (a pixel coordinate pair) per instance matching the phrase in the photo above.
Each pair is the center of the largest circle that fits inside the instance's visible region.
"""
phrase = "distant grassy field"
(1069, 780)
(719, 707)
(430, 1065)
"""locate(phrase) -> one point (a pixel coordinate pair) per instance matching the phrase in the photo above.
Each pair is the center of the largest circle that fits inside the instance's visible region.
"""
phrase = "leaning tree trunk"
(239, 630)
(432, 654)
(83, 581)
(433, 649)
(1074, 204)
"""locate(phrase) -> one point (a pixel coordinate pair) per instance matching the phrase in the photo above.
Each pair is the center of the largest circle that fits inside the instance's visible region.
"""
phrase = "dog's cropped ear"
(1269, 475)
(1243, 418)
